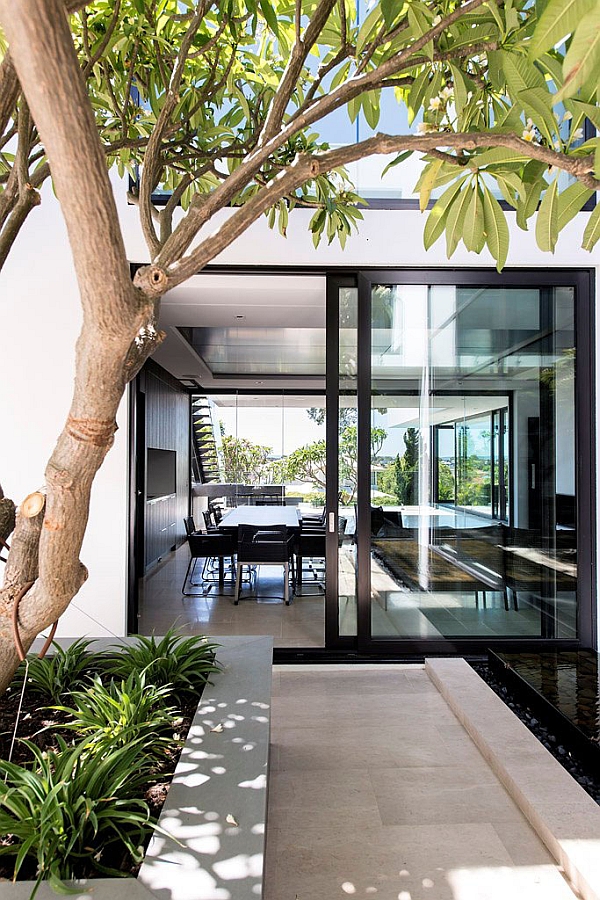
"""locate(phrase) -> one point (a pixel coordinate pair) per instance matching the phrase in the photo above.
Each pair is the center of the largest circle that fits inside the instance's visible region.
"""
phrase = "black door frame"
(365, 645)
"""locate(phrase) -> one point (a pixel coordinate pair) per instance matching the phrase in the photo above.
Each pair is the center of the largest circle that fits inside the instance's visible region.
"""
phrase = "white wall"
(40, 321)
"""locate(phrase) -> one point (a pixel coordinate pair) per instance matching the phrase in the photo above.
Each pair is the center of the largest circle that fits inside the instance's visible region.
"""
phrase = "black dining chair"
(209, 521)
(314, 519)
(310, 559)
(189, 525)
(271, 546)
(207, 547)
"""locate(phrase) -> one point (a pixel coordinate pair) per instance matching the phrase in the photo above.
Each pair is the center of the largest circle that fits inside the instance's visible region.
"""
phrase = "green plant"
(65, 671)
(121, 712)
(185, 664)
(63, 812)
(385, 500)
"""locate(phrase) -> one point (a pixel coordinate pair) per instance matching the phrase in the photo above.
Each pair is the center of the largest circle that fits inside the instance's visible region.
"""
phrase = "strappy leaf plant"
(123, 711)
(65, 811)
(58, 674)
(185, 664)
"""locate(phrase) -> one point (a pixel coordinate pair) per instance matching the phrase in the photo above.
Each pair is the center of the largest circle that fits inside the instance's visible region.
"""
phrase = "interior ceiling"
(284, 401)
(267, 332)
(402, 411)
(246, 330)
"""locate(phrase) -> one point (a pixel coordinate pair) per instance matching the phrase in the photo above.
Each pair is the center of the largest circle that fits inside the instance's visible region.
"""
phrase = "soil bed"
(580, 769)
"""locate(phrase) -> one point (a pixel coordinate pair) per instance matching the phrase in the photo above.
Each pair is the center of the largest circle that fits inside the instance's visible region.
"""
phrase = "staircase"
(205, 461)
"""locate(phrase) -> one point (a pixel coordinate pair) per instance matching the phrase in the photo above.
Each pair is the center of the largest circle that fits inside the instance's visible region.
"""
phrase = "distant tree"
(347, 416)
(246, 462)
(407, 469)
(308, 463)
(386, 480)
(445, 483)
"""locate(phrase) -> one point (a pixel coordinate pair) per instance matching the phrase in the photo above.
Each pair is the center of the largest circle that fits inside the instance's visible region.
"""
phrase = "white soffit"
(211, 300)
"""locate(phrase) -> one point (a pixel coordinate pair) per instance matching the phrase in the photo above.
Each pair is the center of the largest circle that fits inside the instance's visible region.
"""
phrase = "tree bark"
(118, 330)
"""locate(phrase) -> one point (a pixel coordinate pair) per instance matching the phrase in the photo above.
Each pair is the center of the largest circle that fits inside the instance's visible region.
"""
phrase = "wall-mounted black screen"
(161, 471)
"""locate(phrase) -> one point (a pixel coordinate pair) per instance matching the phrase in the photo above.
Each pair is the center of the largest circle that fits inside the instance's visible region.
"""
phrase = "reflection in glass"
(348, 474)
(473, 481)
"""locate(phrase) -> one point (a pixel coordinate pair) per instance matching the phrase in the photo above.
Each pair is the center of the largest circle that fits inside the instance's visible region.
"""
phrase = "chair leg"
(286, 583)
(238, 579)
(190, 574)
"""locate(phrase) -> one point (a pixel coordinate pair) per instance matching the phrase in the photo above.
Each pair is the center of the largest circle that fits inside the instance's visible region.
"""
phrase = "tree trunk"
(117, 336)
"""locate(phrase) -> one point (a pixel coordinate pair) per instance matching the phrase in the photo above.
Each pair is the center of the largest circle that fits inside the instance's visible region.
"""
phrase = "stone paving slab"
(561, 812)
(376, 790)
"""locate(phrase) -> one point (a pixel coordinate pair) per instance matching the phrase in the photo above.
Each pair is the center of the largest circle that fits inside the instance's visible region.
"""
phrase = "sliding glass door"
(460, 520)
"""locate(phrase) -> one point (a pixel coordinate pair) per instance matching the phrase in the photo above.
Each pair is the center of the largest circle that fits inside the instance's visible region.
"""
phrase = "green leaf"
(590, 111)
(420, 25)
(591, 233)
(456, 219)
(570, 202)
(461, 88)
(473, 232)
(546, 226)
(499, 156)
(559, 19)
(370, 105)
(389, 11)
(496, 228)
(582, 62)
(396, 162)
(469, 36)
(436, 220)
(367, 28)
(270, 16)
(417, 92)
(427, 182)
(340, 75)
(520, 74)
(511, 186)
(354, 108)
(537, 104)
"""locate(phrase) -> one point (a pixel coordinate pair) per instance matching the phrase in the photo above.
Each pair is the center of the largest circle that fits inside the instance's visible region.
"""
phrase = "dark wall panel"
(167, 428)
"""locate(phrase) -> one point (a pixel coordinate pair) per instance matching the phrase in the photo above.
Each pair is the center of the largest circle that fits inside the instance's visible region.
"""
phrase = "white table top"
(261, 515)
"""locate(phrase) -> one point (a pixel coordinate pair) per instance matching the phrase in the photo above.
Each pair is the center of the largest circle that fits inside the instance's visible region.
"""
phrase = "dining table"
(261, 516)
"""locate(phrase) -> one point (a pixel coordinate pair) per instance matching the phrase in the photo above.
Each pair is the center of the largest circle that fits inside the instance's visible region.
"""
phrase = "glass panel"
(472, 462)
(348, 446)
(272, 455)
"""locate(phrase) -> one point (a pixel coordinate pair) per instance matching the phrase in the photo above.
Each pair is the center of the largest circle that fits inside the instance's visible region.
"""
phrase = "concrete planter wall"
(217, 803)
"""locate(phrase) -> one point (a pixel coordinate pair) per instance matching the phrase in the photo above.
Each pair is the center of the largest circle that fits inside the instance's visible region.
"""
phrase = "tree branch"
(151, 167)
(10, 230)
(288, 83)
(123, 112)
(92, 60)
(9, 91)
(307, 167)
(204, 207)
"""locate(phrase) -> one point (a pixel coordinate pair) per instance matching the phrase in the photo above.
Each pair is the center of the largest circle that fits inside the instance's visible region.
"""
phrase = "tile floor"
(376, 791)
(395, 611)
(302, 624)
